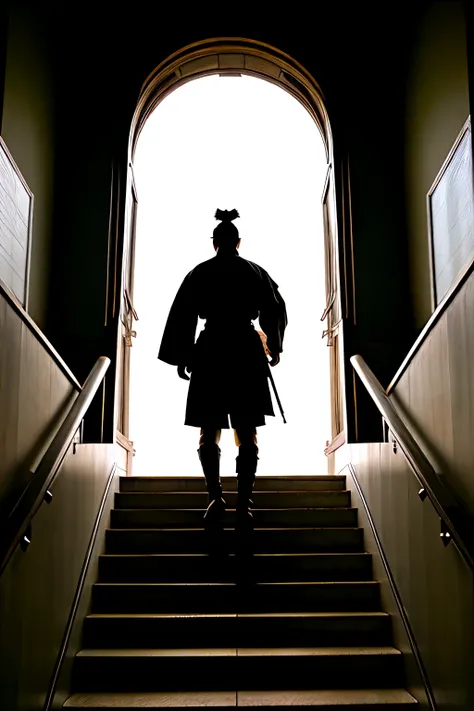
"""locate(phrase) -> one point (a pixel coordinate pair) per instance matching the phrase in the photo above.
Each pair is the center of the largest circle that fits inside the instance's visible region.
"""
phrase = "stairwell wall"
(37, 390)
(436, 586)
(39, 586)
(28, 127)
(433, 392)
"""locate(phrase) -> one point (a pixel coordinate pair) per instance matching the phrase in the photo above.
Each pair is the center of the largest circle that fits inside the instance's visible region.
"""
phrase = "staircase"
(174, 627)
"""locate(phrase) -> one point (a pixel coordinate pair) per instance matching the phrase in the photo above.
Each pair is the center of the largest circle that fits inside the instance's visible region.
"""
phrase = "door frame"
(231, 56)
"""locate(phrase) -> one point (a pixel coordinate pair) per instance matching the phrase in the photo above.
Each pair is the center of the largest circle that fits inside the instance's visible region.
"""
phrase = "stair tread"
(243, 651)
(285, 583)
(255, 508)
(181, 492)
(276, 477)
(286, 529)
(196, 699)
(152, 699)
(325, 697)
(338, 615)
(309, 554)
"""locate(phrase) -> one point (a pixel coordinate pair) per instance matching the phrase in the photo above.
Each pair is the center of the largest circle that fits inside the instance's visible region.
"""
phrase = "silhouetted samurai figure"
(228, 362)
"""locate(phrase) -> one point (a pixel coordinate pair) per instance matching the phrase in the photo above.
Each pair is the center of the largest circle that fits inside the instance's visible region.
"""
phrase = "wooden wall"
(434, 392)
(435, 585)
(36, 391)
(38, 587)
(401, 641)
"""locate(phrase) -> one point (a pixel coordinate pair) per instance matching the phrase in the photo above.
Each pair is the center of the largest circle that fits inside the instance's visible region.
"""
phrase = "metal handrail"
(38, 489)
(456, 523)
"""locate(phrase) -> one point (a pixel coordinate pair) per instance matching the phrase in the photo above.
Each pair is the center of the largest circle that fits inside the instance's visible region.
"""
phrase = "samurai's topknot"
(226, 215)
(226, 233)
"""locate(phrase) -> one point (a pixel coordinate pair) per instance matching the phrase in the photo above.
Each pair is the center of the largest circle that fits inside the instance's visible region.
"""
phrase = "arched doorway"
(230, 56)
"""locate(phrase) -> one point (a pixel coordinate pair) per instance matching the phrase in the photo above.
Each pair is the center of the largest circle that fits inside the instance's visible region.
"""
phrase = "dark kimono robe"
(229, 368)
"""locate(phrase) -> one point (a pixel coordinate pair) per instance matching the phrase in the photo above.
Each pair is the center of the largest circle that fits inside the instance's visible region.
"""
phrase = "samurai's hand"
(182, 371)
(274, 359)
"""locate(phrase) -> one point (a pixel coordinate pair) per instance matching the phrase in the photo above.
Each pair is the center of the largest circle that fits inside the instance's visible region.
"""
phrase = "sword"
(263, 338)
(276, 394)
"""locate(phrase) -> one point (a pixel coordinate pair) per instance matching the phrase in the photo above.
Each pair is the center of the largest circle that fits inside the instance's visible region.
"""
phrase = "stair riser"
(168, 518)
(229, 483)
(263, 541)
(265, 500)
(226, 672)
(179, 569)
(235, 632)
(204, 599)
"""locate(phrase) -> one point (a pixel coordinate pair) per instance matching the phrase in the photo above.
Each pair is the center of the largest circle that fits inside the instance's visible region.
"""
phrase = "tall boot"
(209, 456)
(246, 468)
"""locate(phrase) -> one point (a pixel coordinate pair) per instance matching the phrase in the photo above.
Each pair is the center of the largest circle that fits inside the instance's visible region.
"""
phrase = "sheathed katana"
(263, 338)
(276, 394)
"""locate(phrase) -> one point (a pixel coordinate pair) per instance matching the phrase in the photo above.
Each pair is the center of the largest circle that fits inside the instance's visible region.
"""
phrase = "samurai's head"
(226, 235)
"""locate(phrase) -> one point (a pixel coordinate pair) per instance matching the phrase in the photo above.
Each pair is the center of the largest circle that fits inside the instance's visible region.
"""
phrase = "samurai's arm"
(273, 317)
(180, 330)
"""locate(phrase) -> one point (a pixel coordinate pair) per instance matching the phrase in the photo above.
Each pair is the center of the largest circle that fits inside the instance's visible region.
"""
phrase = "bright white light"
(230, 143)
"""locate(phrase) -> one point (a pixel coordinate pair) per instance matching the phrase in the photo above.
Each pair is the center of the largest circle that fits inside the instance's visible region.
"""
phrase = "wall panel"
(435, 393)
(38, 586)
(435, 585)
(36, 391)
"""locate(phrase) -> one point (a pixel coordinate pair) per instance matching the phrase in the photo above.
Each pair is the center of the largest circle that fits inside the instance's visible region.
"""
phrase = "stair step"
(204, 598)
(154, 700)
(327, 700)
(261, 499)
(197, 483)
(278, 629)
(264, 540)
(167, 518)
(198, 567)
(322, 699)
(161, 594)
(254, 668)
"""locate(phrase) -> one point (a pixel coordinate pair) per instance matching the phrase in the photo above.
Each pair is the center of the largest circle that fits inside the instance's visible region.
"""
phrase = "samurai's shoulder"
(198, 271)
(261, 272)
(213, 265)
(202, 268)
